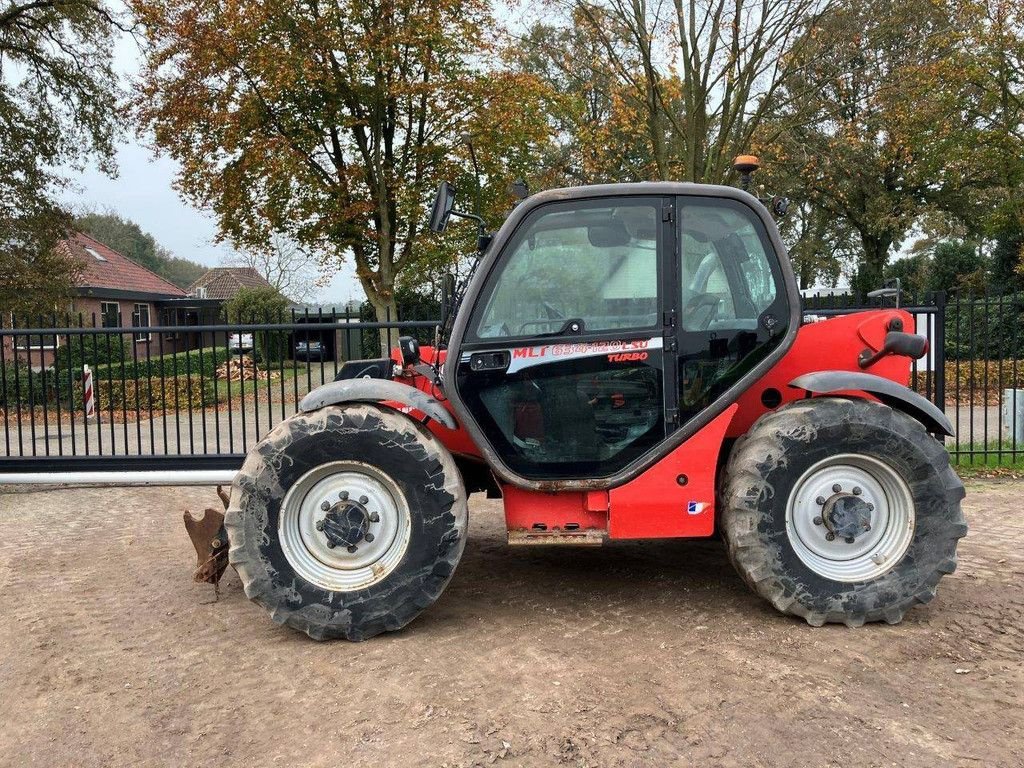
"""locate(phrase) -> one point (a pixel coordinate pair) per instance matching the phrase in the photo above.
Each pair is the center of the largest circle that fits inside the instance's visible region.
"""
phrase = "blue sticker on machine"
(695, 507)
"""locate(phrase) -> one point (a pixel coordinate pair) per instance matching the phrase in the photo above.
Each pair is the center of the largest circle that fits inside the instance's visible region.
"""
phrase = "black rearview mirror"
(444, 201)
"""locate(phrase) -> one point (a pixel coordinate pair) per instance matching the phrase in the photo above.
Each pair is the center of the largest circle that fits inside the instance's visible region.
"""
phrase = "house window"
(201, 292)
(140, 319)
(35, 340)
(110, 314)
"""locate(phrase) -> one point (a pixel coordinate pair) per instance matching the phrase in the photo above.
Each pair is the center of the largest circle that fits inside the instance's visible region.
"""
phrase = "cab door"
(564, 362)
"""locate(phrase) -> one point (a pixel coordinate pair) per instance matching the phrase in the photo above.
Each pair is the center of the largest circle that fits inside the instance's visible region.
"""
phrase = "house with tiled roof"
(222, 283)
(112, 291)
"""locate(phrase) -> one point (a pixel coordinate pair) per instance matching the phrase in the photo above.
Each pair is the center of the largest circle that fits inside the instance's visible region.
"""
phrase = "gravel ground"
(629, 655)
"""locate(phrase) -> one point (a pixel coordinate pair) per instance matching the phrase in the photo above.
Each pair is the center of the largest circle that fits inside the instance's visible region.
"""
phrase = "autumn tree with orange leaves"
(330, 123)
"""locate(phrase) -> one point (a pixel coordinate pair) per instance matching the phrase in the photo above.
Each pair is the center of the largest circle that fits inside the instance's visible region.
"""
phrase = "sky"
(143, 192)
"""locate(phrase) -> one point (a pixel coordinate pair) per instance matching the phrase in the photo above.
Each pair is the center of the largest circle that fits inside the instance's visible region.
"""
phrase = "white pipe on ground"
(179, 477)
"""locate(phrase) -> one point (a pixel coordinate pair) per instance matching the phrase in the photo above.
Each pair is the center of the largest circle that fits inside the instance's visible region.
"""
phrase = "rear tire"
(841, 511)
(347, 522)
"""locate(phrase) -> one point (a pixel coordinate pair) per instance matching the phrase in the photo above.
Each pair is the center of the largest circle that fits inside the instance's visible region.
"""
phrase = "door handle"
(490, 361)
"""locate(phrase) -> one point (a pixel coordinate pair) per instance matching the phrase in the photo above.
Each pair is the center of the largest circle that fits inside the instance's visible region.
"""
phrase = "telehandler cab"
(628, 361)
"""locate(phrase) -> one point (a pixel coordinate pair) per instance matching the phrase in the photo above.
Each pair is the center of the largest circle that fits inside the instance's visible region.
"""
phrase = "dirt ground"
(632, 655)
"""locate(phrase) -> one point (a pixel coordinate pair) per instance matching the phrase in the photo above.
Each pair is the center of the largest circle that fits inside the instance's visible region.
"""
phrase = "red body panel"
(533, 510)
(829, 345)
(655, 504)
(457, 441)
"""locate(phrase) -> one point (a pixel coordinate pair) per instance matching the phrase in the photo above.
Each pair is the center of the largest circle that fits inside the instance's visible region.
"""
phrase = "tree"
(127, 237)
(329, 123)
(698, 79)
(914, 273)
(36, 276)
(282, 263)
(956, 265)
(595, 134)
(869, 139)
(261, 305)
(58, 98)
(989, 162)
(817, 248)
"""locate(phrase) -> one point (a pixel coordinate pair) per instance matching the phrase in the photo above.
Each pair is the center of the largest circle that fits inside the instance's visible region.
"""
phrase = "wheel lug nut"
(331, 545)
(325, 506)
(320, 525)
(818, 520)
(837, 488)
(867, 527)
(871, 507)
(374, 517)
(856, 490)
(820, 501)
(343, 495)
(363, 500)
(850, 539)
(368, 537)
(353, 548)
(830, 536)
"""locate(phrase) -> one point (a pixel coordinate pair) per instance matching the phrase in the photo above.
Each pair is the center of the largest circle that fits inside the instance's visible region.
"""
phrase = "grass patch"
(261, 387)
(980, 460)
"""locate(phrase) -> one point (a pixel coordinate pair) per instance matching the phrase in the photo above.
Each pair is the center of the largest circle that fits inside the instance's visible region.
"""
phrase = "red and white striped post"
(90, 395)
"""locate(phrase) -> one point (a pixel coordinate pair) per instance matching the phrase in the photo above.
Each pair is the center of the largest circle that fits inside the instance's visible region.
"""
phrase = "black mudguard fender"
(375, 391)
(889, 392)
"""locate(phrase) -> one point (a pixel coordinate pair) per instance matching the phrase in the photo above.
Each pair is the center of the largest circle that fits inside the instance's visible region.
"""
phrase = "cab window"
(734, 310)
(727, 279)
(594, 263)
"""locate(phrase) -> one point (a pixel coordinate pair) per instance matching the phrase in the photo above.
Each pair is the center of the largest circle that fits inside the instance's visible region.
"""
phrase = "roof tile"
(115, 270)
(225, 282)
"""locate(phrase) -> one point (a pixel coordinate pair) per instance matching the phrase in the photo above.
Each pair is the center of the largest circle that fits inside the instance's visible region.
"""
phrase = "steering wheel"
(702, 302)
(553, 312)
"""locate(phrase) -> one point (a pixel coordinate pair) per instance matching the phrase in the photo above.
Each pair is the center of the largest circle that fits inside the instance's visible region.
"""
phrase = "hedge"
(19, 384)
(988, 378)
(194, 363)
(990, 328)
(155, 394)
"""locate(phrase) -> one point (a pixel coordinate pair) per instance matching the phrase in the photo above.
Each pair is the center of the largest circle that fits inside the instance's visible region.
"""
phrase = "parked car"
(309, 351)
(240, 343)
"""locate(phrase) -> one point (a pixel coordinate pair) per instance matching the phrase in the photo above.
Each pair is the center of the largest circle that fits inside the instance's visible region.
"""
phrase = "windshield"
(592, 263)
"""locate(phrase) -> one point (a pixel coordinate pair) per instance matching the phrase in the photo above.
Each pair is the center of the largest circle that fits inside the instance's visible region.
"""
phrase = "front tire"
(347, 522)
(841, 511)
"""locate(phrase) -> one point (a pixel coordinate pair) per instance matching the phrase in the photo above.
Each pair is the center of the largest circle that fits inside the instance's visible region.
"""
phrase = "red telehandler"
(628, 361)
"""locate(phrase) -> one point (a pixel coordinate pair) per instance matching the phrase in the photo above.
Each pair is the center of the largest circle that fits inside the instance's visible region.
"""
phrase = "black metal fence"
(973, 372)
(928, 375)
(199, 394)
(167, 397)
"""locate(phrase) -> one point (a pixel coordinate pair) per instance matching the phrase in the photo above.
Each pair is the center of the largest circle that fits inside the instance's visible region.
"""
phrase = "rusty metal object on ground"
(211, 542)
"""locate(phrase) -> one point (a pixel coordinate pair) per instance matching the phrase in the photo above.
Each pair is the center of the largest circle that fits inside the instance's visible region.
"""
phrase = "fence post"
(939, 352)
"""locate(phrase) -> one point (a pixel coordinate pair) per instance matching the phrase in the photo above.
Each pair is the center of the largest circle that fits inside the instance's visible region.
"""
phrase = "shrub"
(411, 306)
(94, 350)
(262, 305)
(20, 385)
(154, 394)
(196, 362)
(987, 379)
(986, 328)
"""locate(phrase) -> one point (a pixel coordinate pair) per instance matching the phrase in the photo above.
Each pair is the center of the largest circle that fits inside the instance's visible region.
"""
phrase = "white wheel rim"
(889, 505)
(343, 486)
